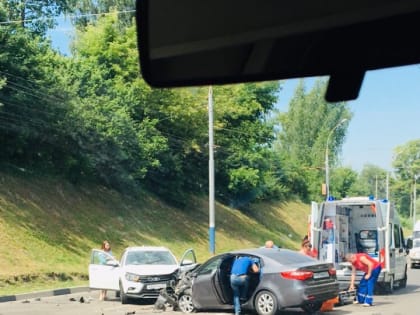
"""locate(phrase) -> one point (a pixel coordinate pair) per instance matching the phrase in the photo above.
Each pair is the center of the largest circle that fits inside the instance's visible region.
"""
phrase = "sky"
(62, 35)
(385, 115)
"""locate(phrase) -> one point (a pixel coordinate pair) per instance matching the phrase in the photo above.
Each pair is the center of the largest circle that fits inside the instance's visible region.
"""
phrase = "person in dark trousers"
(371, 268)
(239, 279)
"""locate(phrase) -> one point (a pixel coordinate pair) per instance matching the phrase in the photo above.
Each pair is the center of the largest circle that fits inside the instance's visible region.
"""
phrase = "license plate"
(320, 275)
(156, 286)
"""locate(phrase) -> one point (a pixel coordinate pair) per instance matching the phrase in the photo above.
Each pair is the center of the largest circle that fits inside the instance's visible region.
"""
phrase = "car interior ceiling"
(219, 42)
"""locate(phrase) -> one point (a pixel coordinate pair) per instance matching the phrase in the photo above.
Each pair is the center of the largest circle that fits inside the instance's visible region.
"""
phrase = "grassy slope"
(48, 227)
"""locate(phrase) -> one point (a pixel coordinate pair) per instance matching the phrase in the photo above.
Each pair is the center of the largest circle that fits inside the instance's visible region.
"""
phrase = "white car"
(414, 255)
(141, 273)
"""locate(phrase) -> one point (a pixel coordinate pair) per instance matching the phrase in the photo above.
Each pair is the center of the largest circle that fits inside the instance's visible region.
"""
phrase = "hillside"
(48, 227)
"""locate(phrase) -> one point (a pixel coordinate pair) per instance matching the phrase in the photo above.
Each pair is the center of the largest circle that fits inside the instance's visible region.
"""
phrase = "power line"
(71, 16)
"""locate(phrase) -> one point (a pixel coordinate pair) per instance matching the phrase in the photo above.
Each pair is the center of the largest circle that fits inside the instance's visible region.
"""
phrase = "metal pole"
(212, 232)
(327, 167)
(414, 199)
(327, 175)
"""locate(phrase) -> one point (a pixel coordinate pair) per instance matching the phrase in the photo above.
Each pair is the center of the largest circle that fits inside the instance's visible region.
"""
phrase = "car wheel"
(185, 302)
(123, 296)
(312, 307)
(266, 303)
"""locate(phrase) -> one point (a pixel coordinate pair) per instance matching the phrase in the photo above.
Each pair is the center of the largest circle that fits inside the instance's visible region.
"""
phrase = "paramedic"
(371, 269)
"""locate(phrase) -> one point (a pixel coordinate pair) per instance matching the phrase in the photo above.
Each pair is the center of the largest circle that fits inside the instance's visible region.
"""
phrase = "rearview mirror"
(190, 42)
(409, 243)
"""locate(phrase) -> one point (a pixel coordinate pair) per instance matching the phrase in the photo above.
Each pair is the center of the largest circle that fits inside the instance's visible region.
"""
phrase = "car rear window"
(287, 257)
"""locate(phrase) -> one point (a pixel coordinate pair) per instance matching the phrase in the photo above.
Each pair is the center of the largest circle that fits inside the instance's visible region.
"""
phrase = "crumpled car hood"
(144, 270)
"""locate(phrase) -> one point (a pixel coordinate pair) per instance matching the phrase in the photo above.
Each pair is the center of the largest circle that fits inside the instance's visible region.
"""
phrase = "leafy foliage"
(91, 116)
(407, 165)
(372, 181)
(37, 16)
(305, 130)
(33, 102)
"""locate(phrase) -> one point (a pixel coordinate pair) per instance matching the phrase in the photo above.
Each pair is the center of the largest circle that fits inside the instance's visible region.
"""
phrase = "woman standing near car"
(306, 248)
(106, 247)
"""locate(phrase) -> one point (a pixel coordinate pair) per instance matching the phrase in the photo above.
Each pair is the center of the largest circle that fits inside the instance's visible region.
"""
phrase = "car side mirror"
(112, 262)
(187, 262)
(409, 243)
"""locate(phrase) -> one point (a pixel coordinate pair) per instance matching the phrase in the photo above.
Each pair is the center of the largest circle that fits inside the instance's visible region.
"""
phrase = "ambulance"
(360, 225)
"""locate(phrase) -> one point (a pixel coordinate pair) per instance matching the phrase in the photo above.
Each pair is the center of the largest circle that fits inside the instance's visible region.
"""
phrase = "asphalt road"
(401, 302)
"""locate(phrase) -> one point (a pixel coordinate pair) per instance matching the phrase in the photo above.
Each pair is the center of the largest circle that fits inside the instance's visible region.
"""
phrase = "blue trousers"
(239, 286)
(366, 287)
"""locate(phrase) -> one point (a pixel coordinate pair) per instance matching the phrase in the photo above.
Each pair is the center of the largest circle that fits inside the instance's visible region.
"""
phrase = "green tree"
(243, 135)
(34, 104)
(89, 12)
(371, 182)
(407, 167)
(120, 141)
(37, 16)
(342, 180)
(304, 130)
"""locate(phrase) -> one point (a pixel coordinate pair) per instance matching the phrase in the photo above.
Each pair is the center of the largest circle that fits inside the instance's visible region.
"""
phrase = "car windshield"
(416, 243)
(150, 258)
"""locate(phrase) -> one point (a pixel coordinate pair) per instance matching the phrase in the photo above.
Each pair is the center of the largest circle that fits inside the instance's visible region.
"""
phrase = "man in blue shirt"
(239, 279)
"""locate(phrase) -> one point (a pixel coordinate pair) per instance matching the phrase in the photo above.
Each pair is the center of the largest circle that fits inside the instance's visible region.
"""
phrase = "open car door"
(211, 284)
(188, 260)
(104, 271)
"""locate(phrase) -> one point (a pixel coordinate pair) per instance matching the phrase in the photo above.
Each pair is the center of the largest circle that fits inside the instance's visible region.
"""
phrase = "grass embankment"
(48, 227)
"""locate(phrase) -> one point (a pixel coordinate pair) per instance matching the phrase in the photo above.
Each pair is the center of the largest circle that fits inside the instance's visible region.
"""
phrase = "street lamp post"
(414, 199)
(327, 167)
(212, 231)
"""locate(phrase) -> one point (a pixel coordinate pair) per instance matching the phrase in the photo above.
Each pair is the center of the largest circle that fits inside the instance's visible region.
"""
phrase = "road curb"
(39, 294)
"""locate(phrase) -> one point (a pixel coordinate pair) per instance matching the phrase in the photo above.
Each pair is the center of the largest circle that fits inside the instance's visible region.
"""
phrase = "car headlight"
(132, 277)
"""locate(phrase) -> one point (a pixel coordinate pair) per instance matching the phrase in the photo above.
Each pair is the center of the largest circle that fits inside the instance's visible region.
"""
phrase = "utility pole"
(212, 231)
(414, 199)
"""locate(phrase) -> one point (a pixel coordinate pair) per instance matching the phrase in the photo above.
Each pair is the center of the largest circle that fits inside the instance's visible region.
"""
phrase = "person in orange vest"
(371, 268)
